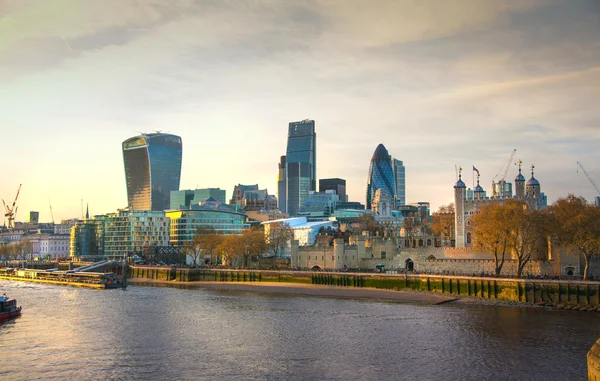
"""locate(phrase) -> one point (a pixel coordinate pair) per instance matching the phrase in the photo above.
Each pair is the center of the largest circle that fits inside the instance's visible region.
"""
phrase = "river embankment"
(564, 294)
(406, 296)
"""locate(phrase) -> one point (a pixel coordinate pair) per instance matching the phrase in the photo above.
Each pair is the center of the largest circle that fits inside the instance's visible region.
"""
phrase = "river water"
(158, 333)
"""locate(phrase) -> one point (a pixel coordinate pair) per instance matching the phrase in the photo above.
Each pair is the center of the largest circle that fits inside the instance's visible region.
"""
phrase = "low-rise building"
(49, 246)
(215, 215)
(129, 231)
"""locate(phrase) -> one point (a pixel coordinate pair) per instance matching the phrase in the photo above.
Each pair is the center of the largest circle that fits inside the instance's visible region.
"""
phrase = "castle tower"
(532, 188)
(478, 193)
(460, 191)
(520, 183)
(382, 203)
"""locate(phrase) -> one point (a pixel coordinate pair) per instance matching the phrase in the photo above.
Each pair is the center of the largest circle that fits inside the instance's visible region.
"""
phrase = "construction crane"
(51, 213)
(11, 211)
(590, 178)
(499, 188)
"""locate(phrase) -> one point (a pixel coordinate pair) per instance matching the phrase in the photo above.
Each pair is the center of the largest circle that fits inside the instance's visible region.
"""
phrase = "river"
(158, 333)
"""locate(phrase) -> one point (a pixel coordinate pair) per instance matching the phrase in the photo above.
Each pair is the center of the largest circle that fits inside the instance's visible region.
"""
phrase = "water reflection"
(167, 333)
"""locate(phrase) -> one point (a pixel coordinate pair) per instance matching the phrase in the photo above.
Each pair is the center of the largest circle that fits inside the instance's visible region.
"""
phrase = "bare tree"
(279, 236)
(442, 223)
(491, 232)
(204, 244)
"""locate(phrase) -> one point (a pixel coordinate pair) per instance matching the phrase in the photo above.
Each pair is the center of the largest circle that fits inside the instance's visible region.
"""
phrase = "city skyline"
(438, 89)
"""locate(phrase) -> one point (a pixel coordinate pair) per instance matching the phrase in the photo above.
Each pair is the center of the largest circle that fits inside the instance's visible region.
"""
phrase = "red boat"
(8, 308)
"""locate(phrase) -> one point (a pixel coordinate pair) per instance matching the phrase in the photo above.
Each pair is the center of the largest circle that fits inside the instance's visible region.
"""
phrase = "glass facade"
(400, 175)
(381, 174)
(301, 160)
(298, 186)
(152, 170)
(87, 239)
(184, 198)
(126, 232)
(338, 185)
(185, 222)
(282, 185)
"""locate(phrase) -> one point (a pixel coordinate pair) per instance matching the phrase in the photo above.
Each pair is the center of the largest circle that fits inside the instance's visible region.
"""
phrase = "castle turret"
(478, 193)
(520, 183)
(533, 186)
(460, 191)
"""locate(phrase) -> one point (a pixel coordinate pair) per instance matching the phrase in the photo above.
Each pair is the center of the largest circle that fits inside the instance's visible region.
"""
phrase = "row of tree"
(210, 244)
(16, 251)
(511, 229)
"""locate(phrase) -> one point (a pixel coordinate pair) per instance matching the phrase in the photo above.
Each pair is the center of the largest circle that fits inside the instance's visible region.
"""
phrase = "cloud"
(438, 84)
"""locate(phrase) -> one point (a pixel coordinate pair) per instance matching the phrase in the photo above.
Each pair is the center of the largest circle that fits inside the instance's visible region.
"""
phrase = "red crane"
(11, 211)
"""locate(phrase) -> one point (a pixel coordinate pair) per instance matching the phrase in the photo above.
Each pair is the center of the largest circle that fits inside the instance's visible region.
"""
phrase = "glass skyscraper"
(400, 177)
(152, 170)
(381, 174)
(301, 164)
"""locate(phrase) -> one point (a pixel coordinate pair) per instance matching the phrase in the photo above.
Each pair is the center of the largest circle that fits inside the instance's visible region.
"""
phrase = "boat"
(8, 308)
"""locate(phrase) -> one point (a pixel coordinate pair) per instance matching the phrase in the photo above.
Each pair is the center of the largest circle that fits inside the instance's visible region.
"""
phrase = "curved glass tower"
(381, 174)
(152, 170)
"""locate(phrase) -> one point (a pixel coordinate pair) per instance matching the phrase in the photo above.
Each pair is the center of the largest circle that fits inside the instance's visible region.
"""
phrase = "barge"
(67, 278)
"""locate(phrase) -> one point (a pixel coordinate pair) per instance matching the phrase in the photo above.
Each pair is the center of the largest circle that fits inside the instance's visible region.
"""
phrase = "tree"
(509, 227)
(491, 232)
(576, 224)
(278, 237)
(369, 224)
(526, 233)
(230, 248)
(410, 227)
(442, 222)
(253, 243)
(205, 242)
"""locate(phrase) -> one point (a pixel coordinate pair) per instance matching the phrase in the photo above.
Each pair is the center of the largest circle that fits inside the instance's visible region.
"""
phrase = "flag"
(476, 170)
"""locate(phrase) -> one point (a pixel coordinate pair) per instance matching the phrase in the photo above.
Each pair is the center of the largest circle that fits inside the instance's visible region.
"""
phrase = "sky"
(441, 84)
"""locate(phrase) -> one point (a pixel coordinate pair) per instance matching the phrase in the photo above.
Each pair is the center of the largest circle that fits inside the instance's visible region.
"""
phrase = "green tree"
(576, 224)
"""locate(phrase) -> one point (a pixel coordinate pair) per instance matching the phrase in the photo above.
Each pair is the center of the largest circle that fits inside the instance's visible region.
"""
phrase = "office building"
(301, 160)
(87, 239)
(400, 183)
(337, 185)
(319, 204)
(184, 198)
(381, 175)
(282, 185)
(298, 186)
(152, 170)
(184, 223)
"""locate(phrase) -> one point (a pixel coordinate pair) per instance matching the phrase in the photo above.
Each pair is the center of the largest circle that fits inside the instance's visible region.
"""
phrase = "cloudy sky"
(439, 83)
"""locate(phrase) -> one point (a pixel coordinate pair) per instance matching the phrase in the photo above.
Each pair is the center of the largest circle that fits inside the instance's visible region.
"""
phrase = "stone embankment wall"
(594, 362)
(564, 294)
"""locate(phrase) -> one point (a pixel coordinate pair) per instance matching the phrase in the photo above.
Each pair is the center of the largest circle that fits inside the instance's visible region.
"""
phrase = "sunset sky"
(439, 83)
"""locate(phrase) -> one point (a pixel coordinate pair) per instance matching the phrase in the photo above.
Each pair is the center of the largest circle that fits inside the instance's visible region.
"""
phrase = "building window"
(383, 255)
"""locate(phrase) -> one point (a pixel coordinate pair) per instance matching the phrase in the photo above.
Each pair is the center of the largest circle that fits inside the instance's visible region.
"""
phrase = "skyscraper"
(301, 164)
(381, 174)
(152, 170)
(282, 186)
(400, 181)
